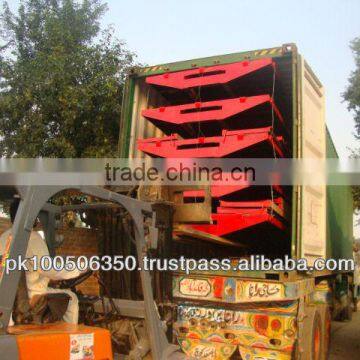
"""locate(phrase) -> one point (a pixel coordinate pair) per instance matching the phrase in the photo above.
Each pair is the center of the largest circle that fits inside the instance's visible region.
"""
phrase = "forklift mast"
(33, 204)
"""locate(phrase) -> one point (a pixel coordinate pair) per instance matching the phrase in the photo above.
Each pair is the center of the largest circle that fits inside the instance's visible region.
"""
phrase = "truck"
(189, 108)
(262, 103)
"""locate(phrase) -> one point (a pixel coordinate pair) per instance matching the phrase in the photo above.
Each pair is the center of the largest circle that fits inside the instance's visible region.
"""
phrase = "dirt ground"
(345, 341)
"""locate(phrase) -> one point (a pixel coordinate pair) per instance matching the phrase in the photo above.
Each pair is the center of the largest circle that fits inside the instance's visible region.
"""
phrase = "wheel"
(295, 355)
(355, 293)
(326, 321)
(311, 342)
(317, 338)
(348, 310)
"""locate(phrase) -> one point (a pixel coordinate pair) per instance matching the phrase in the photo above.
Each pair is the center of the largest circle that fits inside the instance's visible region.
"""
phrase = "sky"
(161, 31)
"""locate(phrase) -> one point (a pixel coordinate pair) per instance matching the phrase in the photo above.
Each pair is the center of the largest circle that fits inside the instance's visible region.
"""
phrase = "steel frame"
(209, 111)
(238, 219)
(210, 75)
(228, 143)
(218, 191)
(286, 50)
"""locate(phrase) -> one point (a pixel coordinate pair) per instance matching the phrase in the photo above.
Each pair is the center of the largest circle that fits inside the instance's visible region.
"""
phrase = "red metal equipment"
(216, 191)
(204, 76)
(235, 113)
(235, 216)
(221, 191)
(226, 224)
(230, 143)
(229, 207)
(222, 111)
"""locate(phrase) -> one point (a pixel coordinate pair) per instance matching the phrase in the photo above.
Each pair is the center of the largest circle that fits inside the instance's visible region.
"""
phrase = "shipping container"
(272, 315)
(303, 99)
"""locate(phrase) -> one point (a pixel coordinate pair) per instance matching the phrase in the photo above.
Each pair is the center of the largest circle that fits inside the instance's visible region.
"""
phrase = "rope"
(272, 112)
(273, 130)
(198, 99)
(199, 132)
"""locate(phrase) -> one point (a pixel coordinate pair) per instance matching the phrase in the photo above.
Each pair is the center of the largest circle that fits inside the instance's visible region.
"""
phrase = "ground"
(345, 341)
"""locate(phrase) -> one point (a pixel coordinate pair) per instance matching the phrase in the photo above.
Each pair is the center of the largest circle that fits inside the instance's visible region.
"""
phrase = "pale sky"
(161, 31)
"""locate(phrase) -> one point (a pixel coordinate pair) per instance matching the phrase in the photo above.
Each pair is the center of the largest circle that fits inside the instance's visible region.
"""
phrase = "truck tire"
(311, 346)
(325, 314)
(317, 348)
(348, 310)
(354, 293)
(295, 355)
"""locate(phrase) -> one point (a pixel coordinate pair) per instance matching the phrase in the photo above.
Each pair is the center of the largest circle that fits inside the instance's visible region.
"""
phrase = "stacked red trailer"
(223, 111)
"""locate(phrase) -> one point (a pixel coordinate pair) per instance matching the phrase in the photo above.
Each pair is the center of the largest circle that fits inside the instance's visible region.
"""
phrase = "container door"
(313, 146)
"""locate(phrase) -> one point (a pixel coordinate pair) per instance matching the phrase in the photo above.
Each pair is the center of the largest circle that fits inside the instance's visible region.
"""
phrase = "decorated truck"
(257, 104)
(263, 104)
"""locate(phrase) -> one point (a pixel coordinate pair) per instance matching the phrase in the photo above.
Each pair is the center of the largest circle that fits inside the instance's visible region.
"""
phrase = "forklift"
(55, 340)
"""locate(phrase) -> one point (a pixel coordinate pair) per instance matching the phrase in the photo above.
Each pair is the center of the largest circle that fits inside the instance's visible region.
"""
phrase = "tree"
(61, 80)
(352, 93)
(352, 97)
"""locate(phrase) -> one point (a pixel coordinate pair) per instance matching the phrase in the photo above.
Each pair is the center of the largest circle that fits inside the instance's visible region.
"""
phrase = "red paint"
(218, 286)
(261, 323)
(217, 110)
(228, 223)
(228, 143)
(210, 75)
(276, 324)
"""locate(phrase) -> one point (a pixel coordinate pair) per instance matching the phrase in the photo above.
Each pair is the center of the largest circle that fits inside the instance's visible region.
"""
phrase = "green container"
(339, 214)
(321, 219)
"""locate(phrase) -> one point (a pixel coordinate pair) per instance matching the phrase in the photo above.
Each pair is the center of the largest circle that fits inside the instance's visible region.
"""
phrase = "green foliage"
(61, 80)
(356, 195)
(352, 97)
(352, 93)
